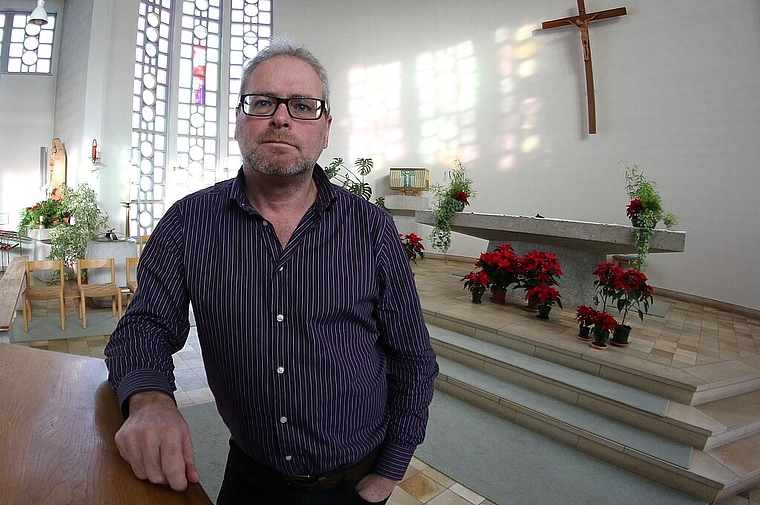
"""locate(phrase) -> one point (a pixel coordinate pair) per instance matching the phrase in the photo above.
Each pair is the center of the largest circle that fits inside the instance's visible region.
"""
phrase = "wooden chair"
(131, 280)
(97, 290)
(37, 291)
(143, 241)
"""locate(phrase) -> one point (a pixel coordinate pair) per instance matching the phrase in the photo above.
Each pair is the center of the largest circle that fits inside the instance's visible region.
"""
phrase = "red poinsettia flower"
(462, 196)
(544, 294)
(604, 322)
(634, 208)
(476, 281)
(413, 247)
(585, 315)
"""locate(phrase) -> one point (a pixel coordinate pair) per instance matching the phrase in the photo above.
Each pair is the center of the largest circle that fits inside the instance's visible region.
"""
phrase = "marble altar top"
(588, 236)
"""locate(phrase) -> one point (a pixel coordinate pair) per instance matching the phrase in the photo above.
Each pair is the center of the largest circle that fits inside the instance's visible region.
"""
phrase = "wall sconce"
(95, 154)
(38, 16)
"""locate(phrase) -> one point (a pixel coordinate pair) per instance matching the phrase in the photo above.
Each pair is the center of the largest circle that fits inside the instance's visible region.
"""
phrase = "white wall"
(677, 90)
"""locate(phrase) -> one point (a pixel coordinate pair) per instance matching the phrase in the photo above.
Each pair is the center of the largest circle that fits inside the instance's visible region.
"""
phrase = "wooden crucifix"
(581, 21)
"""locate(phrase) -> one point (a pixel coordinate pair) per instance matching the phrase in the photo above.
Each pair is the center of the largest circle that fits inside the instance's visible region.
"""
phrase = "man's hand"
(155, 440)
(375, 488)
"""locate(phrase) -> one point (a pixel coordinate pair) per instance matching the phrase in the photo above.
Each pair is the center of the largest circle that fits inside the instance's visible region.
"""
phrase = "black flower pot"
(600, 339)
(620, 336)
(543, 311)
(477, 297)
(584, 332)
(635, 221)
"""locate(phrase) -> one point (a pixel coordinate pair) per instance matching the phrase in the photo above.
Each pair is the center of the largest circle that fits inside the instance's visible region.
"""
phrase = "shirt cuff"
(393, 461)
(138, 382)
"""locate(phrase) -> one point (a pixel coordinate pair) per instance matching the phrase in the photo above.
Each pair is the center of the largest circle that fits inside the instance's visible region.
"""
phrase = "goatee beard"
(257, 162)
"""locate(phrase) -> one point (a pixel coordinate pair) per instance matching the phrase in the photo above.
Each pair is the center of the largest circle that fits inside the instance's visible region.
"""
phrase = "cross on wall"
(581, 21)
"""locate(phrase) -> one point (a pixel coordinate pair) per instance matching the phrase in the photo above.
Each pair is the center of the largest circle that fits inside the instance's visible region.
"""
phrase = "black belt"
(320, 482)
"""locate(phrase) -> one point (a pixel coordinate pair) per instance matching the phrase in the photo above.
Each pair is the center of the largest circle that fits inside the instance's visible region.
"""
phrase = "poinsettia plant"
(413, 247)
(501, 265)
(634, 209)
(539, 267)
(450, 196)
(585, 315)
(604, 322)
(624, 289)
(544, 294)
(476, 281)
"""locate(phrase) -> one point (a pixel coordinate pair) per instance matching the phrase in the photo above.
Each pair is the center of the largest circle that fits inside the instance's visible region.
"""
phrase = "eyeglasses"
(299, 107)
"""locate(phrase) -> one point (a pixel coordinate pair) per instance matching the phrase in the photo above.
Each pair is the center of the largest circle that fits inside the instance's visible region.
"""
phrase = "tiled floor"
(690, 336)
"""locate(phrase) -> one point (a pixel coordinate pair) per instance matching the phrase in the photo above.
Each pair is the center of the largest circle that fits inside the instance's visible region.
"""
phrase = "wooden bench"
(10, 289)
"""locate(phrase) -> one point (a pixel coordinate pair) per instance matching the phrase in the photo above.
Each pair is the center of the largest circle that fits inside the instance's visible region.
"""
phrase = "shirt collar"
(326, 191)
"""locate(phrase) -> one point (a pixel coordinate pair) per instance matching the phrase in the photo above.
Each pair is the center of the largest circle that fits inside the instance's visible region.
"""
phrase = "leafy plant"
(476, 281)
(86, 220)
(347, 179)
(451, 197)
(501, 266)
(413, 247)
(645, 211)
(46, 213)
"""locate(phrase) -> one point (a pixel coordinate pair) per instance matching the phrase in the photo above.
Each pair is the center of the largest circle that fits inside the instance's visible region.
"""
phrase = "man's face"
(281, 145)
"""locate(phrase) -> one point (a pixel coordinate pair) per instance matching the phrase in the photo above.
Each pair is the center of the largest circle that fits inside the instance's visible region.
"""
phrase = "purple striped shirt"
(316, 353)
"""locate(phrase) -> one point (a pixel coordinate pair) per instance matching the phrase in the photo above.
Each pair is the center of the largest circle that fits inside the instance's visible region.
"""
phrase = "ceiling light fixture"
(38, 16)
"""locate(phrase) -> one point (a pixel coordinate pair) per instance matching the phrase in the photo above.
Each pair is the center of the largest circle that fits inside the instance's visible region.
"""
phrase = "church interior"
(546, 104)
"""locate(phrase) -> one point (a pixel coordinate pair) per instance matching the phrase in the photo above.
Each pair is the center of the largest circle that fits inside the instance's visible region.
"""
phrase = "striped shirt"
(316, 353)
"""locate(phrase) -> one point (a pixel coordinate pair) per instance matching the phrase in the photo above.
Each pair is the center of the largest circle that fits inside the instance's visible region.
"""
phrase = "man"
(307, 314)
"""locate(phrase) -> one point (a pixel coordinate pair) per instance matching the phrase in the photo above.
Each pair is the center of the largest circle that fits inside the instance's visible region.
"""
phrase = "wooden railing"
(10, 289)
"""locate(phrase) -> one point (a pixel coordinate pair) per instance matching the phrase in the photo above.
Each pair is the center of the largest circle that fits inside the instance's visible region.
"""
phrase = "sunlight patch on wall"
(447, 85)
(516, 50)
(374, 120)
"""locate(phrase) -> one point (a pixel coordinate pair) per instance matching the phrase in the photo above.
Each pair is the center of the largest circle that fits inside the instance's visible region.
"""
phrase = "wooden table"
(58, 417)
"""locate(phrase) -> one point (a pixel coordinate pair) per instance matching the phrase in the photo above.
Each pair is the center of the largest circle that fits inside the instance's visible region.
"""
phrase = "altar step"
(691, 449)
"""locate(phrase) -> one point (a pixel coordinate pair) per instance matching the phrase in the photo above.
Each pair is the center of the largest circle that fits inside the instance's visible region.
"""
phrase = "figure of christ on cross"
(581, 21)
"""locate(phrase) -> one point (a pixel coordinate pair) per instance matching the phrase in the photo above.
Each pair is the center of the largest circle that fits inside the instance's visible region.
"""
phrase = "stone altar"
(580, 246)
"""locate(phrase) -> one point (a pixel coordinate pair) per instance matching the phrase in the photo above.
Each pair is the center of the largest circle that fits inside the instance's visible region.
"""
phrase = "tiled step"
(644, 410)
(647, 454)
(739, 414)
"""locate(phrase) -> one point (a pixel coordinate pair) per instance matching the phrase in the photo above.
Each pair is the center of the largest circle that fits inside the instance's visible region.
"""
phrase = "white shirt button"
(280, 318)
(265, 223)
(280, 369)
(283, 419)
(288, 457)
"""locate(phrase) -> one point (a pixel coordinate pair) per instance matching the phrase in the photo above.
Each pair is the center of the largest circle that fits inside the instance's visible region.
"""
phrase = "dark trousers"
(247, 483)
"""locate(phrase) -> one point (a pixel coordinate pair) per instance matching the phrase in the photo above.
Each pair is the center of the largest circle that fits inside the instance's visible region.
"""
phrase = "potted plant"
(633, 293)
(544, 296)
(645, 210)
(450, 197)
(603, 324)
(538, 268)
(352, 182)
(585, 316)
(69, 241)
(413, 247)
(47, 213)
(502, 266)
(477, 282)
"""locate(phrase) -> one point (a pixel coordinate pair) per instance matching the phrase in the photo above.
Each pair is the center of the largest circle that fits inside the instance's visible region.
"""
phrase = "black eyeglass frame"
(322, 106)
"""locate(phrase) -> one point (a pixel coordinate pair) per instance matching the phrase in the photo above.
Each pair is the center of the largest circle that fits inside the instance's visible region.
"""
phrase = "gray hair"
(285, 47)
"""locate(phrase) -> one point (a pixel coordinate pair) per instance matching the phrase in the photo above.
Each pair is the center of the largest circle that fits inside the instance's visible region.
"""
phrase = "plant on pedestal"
(450, 196)
(644, 210)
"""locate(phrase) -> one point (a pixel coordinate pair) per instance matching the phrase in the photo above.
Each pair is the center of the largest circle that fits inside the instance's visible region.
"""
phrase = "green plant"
(86, 220)
(46, 214)
(451, 196)
(348, 179)
(645, 210)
